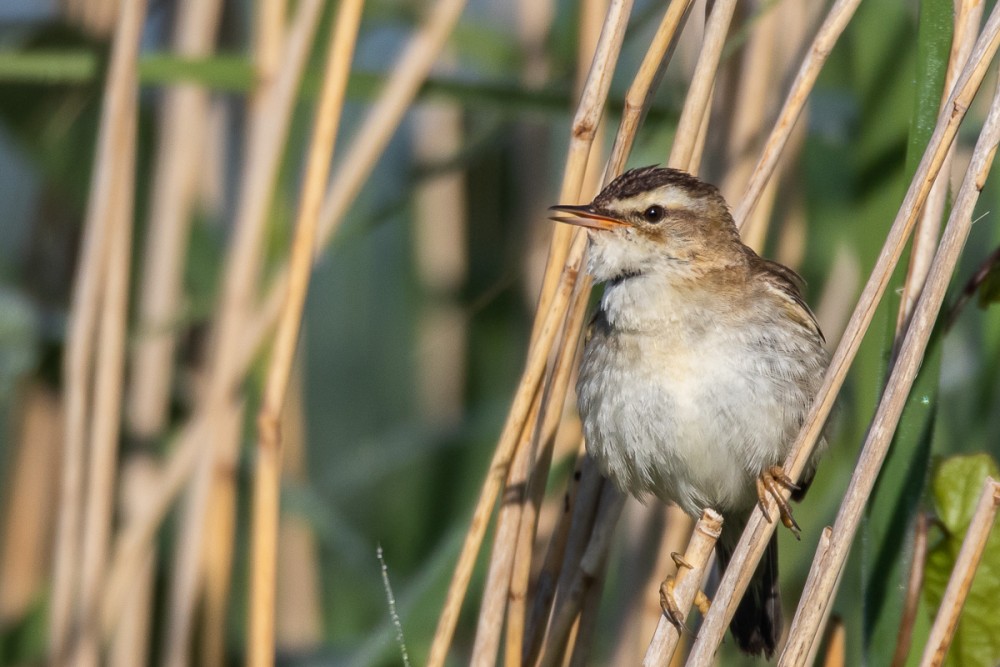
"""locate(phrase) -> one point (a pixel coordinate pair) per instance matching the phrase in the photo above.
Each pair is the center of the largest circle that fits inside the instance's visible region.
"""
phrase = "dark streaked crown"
(644, 179)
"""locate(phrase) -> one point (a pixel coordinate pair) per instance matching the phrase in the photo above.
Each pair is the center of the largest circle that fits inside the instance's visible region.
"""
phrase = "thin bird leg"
(771, 481)
(702, 602)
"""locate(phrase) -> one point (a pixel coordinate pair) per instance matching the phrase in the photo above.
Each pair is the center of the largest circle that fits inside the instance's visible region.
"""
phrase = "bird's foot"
(669, 605)
(772, 481)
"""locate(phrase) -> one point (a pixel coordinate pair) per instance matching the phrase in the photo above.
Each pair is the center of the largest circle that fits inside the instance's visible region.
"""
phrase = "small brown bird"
(699, 367)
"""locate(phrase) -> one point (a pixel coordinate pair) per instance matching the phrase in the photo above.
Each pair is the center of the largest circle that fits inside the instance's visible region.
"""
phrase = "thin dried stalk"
(836, 646)
(579, 504)
(408, 74)
(968, 15)
(130, 644)
(582, 133)
(518, 591)
(836, 20)
(686, 149)
(268, 42)
(182, 132)
(901, 379)
(758, 531)
(503, 455)
(562, 567)
(643, 86)
(591, 566)
(106, 419)
(821, 549)
(498, 576)
(117, 116)
(914, 589)
(960, 581)
(686, 586)
(267, 478)
(299, 605)
(238, 291)
(135, 540)
(29, 501)
(217, 556)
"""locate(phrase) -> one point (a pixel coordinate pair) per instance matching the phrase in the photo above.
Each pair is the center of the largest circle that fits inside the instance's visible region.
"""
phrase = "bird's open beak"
(585, 216)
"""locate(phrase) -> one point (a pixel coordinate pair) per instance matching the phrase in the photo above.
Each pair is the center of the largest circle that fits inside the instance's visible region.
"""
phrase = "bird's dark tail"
(756, 627)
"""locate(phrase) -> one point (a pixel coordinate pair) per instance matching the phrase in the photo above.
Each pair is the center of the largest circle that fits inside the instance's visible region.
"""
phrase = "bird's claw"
(771, 482)
(669, 605)
(679, 561)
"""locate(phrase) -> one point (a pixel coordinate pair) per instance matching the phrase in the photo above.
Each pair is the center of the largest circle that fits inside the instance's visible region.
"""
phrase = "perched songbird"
(699, 367)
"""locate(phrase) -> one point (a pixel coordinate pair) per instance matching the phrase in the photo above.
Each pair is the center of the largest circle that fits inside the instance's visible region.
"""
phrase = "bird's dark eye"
(653, 214)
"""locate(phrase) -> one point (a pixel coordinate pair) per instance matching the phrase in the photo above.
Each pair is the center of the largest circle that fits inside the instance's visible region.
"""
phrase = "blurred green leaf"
(958, 483)
(19, 333)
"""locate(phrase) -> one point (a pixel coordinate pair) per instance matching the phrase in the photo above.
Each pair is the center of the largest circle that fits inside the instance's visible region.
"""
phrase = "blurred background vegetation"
(420, 309)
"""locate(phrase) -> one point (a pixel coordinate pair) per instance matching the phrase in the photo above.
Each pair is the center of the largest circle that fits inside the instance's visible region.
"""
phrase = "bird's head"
(654, 219)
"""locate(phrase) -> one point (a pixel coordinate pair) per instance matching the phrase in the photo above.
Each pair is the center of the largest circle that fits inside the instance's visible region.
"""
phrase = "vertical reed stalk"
(267, 477)
(238, 293)
(108, 184)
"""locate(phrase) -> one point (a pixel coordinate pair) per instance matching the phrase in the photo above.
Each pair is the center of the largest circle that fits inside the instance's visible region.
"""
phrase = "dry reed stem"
(502, 457)
(833, 25)
(582, 133)
(581, 521)
(267, 478)
(914, 590)
(408, 73)
(643, 86)
(968, 14)
(836, 646)
(107, 403)
(217, 556)
(755, 537)
(508, 526)
(686, 586)
(584, 630)
(960, 581)
(579, 493)
(239, 287)
(29, 503)
(130, 644)
(521, 568)
(268, 43)
(183, 133)
(689, 137)
(582, 578)
(135, 539)
(551, 314)
(821, 548)
(299, 602)
(900, 381)
(106, 187)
